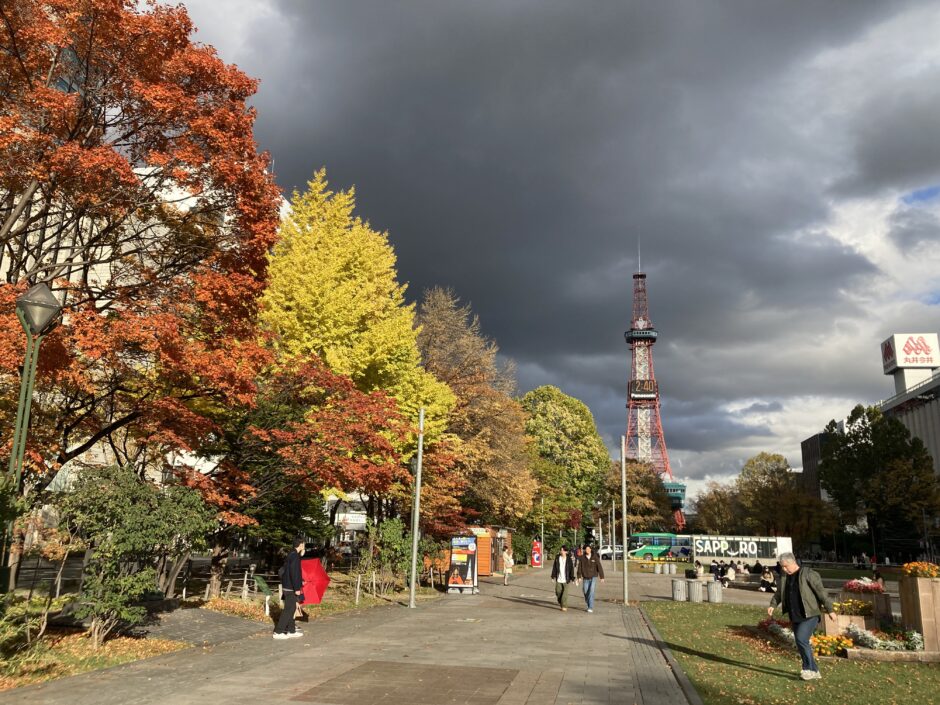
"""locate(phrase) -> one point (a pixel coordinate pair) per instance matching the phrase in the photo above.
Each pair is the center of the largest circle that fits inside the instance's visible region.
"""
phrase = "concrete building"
(914, 362)
(811, 451)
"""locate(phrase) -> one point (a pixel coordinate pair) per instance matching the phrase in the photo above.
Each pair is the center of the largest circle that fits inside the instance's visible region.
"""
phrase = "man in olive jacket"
(803, 597)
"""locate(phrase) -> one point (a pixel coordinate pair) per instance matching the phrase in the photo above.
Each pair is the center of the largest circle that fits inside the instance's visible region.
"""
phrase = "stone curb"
(690, 693)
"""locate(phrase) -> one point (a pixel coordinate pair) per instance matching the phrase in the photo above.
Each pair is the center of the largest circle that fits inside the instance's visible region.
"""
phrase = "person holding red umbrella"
(292, 588)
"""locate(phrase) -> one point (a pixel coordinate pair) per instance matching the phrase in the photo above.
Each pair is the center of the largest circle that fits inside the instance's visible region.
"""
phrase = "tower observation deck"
(645, 441)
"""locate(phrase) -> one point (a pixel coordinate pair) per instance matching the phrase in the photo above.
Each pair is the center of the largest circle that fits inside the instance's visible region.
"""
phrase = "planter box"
(920, 608)
(838, 627)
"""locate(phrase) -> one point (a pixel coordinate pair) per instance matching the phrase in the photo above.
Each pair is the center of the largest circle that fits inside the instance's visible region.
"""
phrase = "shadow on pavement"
(676, 648)
(528, 601)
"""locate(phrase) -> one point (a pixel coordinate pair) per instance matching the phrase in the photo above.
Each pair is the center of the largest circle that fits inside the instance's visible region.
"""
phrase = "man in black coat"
(292, 585)
(563, 574)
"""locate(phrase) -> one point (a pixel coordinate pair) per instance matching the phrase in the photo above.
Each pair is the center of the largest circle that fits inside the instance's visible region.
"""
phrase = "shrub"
(910, 641)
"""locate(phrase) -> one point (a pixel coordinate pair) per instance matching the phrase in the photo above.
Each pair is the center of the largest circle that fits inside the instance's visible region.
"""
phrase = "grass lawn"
(729, 665)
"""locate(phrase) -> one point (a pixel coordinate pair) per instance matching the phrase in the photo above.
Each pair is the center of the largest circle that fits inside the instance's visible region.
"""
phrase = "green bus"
(651, 545)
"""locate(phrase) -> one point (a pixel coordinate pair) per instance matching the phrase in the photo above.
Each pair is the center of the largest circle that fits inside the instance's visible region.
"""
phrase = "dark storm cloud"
(518, 151)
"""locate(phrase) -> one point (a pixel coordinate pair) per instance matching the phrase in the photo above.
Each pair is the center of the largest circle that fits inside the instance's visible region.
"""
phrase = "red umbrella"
(315, 580)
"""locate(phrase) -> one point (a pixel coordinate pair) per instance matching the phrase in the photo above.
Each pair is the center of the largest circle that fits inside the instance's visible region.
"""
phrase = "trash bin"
(679, 592)
(695, 590)
(714, 592)
(658, 569)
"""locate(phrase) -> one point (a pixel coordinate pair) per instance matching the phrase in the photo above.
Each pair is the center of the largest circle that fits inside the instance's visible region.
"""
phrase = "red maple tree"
(130, 181)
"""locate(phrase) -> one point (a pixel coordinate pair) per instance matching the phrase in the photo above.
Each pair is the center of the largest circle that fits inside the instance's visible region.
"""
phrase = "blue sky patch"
(921, 195)
(933, 298)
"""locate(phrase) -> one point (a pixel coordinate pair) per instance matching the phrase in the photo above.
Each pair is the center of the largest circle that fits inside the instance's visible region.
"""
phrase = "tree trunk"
(217, 565)
(169, 588)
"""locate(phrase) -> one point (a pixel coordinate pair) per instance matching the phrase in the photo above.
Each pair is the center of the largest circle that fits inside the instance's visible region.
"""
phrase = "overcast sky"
(780, 162)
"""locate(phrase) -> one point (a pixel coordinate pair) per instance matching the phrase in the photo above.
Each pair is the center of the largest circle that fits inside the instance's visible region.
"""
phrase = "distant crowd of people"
(726, 573)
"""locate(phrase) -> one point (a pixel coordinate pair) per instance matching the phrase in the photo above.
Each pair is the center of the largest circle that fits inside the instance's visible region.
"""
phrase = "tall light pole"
(623, 523)
(38, 311)
(542, 534)
(613, 535)
(416, 511)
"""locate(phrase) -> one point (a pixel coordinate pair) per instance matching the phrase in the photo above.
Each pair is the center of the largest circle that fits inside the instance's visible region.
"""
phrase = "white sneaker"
(807, 675)
(816, 675)
(277, 635)
(295, 635)
(590, 611)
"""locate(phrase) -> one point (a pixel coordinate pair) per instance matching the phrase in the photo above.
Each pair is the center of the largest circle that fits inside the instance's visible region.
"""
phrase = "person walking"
(292, 585)
(802, 596)
(563, 573)
(589, 570)
(508, 563)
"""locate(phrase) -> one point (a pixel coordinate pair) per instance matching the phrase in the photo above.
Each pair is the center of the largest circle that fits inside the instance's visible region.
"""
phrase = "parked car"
(604, 552)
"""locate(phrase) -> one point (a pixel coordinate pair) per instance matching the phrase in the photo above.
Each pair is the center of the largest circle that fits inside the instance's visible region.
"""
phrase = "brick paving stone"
(506, 646)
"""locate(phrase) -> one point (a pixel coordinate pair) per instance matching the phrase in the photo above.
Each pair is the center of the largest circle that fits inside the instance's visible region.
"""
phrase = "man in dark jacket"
(292, 585)
(803, 596)
(589, 570)
(563, 573)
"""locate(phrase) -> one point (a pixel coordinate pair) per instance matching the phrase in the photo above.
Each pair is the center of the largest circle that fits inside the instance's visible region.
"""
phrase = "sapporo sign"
(740, 546)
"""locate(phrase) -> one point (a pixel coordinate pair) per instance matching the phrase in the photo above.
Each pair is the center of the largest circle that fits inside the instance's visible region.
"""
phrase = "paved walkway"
(506, 646)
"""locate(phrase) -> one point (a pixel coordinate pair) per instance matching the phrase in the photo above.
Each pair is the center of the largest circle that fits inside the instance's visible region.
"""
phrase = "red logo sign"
(887, 351)
(536, 554)
(916, 346)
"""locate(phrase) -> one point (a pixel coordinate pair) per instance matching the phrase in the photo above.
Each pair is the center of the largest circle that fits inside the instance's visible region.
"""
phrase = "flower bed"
(859, 608)
(894, 640)
(830, 645)
(863, 586)
(921, 569)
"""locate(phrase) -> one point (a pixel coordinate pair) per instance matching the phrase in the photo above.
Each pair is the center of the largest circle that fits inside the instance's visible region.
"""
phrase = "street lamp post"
(416, 512)
(38, 311)
(623, 525)
(542, 534)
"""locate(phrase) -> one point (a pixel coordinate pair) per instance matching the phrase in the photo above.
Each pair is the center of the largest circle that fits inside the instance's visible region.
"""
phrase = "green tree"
(564, 433)
(716, 510)
(648, 504)
(334, 293)
(130, 526)
(872, 467)
(765, 480)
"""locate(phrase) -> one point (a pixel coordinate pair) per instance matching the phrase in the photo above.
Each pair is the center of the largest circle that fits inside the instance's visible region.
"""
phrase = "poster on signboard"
(463, 565)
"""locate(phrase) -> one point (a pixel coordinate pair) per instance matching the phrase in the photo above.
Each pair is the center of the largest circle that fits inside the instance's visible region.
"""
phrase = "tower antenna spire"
(644, 439)
(639, 259)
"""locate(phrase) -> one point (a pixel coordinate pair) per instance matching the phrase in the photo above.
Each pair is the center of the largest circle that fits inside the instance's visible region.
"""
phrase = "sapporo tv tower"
(645, 442)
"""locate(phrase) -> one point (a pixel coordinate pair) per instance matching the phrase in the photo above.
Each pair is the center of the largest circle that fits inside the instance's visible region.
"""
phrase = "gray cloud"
(913, 227)
(518, 151)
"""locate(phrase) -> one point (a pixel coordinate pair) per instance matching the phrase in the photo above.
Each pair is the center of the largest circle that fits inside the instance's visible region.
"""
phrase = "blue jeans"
(589, 586)
(803, 631)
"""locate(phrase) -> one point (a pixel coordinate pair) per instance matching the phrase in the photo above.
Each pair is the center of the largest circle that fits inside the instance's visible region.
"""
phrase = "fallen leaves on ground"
(61, 654)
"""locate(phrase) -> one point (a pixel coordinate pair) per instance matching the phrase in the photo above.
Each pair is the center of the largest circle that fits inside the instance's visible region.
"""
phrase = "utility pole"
(623, 502)
(416, 511)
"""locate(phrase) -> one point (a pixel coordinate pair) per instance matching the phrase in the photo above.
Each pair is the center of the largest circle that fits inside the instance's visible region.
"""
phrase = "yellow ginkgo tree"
(334, 292)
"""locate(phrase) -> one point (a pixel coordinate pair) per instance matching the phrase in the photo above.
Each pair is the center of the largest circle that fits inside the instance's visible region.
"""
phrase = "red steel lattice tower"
(645, 441)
